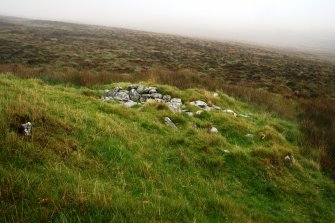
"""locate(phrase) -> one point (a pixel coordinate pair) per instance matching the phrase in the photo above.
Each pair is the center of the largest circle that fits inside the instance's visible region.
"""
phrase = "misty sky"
(279, 22)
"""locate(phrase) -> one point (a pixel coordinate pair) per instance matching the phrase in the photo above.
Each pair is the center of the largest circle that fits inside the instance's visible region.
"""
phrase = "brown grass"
(317, 123)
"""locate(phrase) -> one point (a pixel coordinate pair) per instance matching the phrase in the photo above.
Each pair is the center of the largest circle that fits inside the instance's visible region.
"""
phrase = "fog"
(289, 23)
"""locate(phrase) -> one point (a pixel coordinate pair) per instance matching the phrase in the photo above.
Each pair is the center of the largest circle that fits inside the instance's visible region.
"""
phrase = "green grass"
(88, 160)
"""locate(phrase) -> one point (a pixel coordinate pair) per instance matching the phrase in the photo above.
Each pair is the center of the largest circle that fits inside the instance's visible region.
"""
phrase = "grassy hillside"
(88, 160)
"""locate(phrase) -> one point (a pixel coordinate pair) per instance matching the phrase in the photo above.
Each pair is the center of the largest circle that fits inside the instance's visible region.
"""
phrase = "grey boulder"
(121, 96)
(134, 95)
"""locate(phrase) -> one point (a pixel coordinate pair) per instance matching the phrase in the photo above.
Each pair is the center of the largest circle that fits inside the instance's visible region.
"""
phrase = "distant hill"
(59, 45)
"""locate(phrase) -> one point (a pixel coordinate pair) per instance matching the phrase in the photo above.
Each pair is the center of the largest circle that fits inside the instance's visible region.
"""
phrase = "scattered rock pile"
(136, 94)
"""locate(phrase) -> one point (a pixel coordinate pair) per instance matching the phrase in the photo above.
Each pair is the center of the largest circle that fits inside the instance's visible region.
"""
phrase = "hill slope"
(88, 160)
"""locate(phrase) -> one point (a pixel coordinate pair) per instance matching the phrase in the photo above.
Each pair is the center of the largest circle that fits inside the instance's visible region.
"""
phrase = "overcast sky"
(279, 22)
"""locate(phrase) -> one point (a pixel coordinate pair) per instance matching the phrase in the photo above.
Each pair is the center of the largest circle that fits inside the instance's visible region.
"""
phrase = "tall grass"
(317, 123)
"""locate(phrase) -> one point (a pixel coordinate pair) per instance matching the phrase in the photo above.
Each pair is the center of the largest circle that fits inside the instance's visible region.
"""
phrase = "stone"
(200, 104)
(198, 112)
(189, 114)
(216, 107)
(130, 87)
(140, 89)
(143, 90)
(117, 89)
(107, 99)
(230, 111)
(289, 160)
(152, 90)
(208, 108)
(167, 98)
(176, 101)
(144, 97)
(226, 151)
(175, 105)
(134, 95)
(27, 128)
(213, 130)
(169, 122)
(121, 96)
(156, 95)
(215, 94)
(108, 93)
(130, 103)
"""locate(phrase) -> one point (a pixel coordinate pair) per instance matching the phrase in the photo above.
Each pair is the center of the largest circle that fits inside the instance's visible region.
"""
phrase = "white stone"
(230, 111)
(214, 130)
(189, 114)
(27, 128)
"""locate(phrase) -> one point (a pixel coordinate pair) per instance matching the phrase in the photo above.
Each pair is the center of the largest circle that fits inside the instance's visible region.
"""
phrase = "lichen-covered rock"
(143, 90)
(122, 96)
(134, 95)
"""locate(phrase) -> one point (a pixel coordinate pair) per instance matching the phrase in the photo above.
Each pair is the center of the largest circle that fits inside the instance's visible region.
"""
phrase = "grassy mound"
(88, 160)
